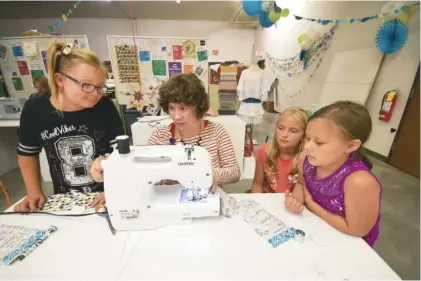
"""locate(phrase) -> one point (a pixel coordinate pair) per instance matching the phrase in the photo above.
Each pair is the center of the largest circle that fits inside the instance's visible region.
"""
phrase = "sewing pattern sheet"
(266, 225)
(17, 242)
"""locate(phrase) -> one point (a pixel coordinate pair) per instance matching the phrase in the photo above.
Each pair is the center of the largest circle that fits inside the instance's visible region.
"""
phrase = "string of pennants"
(64, 17)
(403, 9)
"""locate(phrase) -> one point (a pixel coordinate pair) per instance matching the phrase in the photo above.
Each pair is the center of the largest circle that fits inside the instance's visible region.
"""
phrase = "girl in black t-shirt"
(75, 125)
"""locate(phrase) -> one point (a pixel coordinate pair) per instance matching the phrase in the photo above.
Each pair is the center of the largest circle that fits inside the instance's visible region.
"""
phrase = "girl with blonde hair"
(277, 160)
(335, 180)
(74, 124)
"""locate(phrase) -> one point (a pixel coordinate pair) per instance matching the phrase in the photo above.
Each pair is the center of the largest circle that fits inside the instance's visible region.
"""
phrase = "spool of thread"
(299, 236)
(123, 145)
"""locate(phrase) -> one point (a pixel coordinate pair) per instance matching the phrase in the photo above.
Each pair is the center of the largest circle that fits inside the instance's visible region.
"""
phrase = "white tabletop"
(9, 123)
(219, 248)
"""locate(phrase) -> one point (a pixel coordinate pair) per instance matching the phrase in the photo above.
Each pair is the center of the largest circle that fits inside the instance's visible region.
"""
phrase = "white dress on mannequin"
(249, 91)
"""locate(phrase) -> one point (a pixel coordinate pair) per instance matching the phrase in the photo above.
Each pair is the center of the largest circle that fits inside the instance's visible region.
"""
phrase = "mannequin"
(249, 91)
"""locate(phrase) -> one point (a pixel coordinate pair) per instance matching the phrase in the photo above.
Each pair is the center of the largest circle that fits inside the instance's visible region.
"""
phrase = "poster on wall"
(23, 67)
(145, 56)
(44, 59)
(159, 68)
(188, 68)
(189, 49)
(177, 52)
(202, 55)
(174, 68)
(17, 84)
(3, 52)
(17, 50)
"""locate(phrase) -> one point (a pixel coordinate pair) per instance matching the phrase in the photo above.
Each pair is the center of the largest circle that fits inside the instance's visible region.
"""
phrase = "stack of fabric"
(227, 90)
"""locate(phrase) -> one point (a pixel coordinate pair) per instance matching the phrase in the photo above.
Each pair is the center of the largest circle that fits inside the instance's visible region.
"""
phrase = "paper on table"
(266, 225)
(17, 242)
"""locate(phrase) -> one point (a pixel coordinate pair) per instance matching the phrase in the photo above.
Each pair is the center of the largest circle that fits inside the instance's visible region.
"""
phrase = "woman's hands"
(97, 170)
(99, 200)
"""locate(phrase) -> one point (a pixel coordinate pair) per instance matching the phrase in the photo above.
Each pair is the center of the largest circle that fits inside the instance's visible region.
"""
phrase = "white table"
(236, 129)
(85, 249)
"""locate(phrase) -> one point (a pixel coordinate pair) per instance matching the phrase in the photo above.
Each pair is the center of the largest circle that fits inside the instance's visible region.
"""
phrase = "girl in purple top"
(335, 181)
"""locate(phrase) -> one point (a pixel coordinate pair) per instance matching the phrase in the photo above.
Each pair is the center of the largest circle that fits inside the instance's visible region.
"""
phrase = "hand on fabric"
(32, 202)
(292, 204)
(97, 170)
(99, 200)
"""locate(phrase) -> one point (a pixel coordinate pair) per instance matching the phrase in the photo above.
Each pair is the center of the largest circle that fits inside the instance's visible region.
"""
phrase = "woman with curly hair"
(184, 99)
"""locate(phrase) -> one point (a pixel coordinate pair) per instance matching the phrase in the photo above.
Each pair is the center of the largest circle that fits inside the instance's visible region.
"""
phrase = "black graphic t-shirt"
(71, 140)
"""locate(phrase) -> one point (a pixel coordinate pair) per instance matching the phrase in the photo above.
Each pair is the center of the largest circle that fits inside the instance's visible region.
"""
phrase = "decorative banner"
(63, 17)
(403, 9)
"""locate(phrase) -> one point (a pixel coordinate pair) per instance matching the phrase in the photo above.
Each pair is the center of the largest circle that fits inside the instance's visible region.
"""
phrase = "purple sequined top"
(329, 191)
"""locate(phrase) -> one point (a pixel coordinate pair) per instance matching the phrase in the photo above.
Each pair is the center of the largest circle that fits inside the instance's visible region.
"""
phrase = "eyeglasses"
(86, 87)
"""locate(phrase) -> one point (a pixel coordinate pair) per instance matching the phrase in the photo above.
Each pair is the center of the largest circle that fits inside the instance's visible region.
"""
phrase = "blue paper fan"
(391, 36)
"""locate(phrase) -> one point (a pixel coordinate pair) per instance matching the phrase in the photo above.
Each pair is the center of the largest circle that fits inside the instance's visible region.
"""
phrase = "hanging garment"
(249, 91)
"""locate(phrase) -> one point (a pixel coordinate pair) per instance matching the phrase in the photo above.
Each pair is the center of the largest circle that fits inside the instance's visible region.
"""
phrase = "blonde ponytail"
(61, 57)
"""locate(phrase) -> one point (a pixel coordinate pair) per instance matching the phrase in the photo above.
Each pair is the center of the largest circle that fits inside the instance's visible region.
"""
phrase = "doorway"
(405, 152)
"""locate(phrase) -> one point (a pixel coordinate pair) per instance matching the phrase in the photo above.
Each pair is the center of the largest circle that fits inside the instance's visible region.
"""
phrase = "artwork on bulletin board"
(126, 63)
(202, 55)
(3, 52)
(177, 52)
(30, 49)
(145, 56)
(189, 49)
(23, 67)
(159, 68)
(44, 59)
(17, 84)
(17, 50)
(188, 68)
(174, 68)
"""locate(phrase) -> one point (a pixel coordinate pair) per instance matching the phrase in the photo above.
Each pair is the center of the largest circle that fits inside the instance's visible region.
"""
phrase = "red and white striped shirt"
(215, 139)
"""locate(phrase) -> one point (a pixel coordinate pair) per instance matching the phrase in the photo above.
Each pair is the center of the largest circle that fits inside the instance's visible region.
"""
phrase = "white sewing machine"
(137, 199)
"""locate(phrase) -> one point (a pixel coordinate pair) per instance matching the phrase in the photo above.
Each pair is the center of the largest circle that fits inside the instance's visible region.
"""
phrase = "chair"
(6, 193)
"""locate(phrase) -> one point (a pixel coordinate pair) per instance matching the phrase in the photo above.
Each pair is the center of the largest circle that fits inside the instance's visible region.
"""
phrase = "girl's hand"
(97, 172)
(99, 200)
(292, 204)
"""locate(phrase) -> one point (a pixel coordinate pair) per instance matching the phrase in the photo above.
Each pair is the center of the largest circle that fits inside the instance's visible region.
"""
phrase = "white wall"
(397, 71)
(232, 43)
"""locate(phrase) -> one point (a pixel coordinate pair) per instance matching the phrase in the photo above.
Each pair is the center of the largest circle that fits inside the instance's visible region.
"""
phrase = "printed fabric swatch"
(17, 242)
(67, 201)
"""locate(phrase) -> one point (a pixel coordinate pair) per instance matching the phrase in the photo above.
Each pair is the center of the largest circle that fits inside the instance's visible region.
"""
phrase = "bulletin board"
(351, 76)
(158, 59)
(24, 58)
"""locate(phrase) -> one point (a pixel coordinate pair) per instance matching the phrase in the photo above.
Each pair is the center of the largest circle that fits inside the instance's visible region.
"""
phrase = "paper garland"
(403, 9)
(64, 17)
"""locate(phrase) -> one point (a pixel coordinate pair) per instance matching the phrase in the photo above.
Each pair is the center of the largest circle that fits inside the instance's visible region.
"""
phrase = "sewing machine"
(11, 108)
(137, 199)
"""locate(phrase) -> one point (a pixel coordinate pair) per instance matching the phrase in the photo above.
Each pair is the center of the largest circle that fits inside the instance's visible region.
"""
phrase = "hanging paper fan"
(391, 36)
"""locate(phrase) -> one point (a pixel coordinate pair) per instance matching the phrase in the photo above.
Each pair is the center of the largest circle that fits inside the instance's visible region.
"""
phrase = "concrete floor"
(399, 241)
